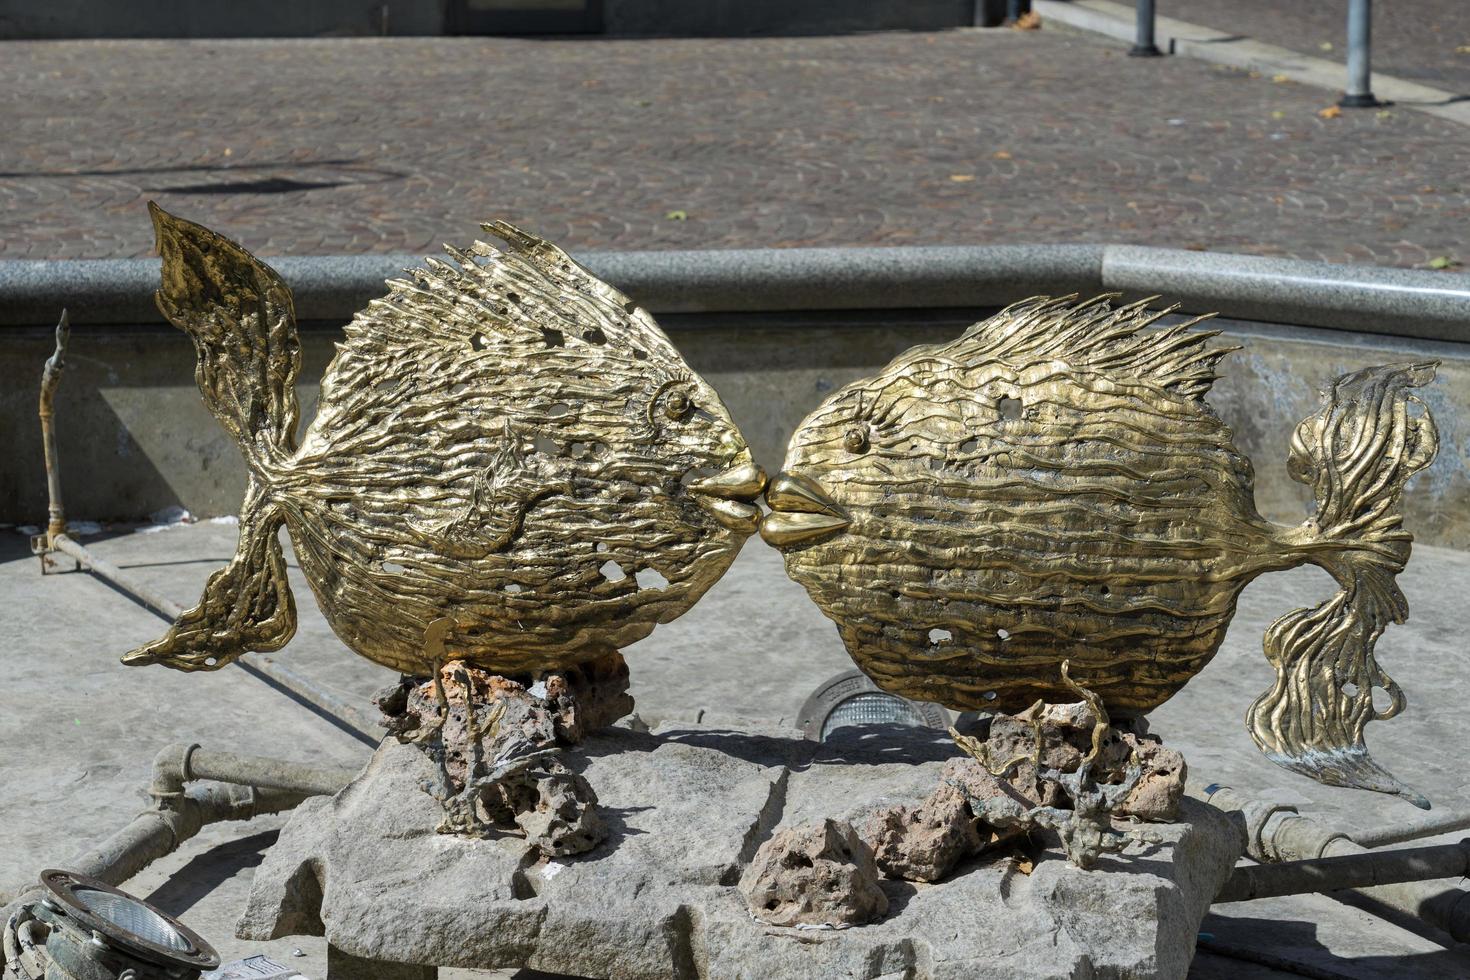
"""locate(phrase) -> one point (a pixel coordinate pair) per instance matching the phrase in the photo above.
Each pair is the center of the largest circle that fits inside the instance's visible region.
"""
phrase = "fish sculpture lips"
(730, 496)
(801, 512)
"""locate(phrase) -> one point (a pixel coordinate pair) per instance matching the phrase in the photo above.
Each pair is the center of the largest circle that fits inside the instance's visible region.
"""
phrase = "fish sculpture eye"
(677, 406)
(855, 440)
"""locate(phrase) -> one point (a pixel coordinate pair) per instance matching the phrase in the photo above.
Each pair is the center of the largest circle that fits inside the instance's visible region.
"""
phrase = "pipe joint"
(170, 773)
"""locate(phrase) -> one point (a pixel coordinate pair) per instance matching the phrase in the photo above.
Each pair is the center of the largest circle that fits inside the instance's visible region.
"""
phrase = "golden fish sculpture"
(1053, 487)
(505, 447)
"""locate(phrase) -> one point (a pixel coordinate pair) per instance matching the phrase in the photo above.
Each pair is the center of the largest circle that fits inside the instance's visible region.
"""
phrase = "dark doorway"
(525, 16)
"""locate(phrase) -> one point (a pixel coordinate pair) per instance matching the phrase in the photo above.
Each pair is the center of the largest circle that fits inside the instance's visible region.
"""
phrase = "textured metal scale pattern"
(1053, 487)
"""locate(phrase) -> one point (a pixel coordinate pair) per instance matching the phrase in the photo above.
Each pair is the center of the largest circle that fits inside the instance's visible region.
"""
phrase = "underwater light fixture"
(84, 929)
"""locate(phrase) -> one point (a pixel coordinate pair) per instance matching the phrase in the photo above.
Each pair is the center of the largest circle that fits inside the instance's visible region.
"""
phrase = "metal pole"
(50, 378)
(1144, 46)
(1359, 94)
(1342, 871)
(1276, 833)
(1443, 823)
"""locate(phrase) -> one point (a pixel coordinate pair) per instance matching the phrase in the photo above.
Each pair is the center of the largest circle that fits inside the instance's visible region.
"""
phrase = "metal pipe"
(1329, 874)
(1359, 92)
(251, 786)
(50, 379)
(1276, 833)
(156, 833)
(1441, 823)
(1144, 45)
(226, 767)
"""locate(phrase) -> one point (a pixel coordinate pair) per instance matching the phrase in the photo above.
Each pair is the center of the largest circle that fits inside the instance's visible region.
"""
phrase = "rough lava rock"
(557, 812)
(1158, 791)
(820, 874)
(492, 738)
(924, 842)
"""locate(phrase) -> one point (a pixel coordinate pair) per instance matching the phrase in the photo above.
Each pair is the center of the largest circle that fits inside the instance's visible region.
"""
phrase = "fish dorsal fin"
(531, 291)
(1097, 335)
(466, 321)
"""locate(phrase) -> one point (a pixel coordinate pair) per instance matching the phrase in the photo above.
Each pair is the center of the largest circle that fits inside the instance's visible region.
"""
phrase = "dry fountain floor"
(80, 729)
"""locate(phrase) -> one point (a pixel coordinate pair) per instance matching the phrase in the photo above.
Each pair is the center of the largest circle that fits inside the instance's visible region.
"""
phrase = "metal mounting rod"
(1359, 92)
(50, 379)
(1144, 46)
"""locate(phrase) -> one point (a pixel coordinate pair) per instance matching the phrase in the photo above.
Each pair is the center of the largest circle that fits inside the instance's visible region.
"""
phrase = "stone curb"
(1374, 299)
(1181, 37)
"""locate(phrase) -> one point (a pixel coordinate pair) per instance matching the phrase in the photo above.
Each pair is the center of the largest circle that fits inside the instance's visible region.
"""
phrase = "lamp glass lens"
(871, 708)
(132, 916)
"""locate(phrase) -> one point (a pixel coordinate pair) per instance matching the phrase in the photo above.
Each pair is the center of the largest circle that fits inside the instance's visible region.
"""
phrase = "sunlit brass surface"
(503, 443)
(1053, 487)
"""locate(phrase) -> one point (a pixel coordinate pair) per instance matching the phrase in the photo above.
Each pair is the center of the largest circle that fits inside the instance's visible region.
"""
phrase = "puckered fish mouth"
(801, 512)
(730, 496)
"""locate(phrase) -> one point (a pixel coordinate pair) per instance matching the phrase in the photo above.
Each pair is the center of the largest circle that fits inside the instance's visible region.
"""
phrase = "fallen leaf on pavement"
(1325, 46)
(961, 178)
(677, 216)
(1443, 262)
(1029, 21)
(1001, 155)
(1331, 112)
(1279, 79)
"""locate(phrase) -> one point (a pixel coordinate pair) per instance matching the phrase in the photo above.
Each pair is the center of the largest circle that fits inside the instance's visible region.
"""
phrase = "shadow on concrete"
(1294, 946)
(205, 872)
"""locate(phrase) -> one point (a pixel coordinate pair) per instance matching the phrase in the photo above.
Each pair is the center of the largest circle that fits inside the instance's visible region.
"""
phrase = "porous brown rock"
(1159, 789)
(493, 739)
(1066, 738)
(820, 874)
(557, 811)
(559, 710)
(923, 842)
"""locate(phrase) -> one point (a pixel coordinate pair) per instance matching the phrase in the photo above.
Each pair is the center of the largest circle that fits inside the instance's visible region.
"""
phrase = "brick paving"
(969, 136)
(1413, 39)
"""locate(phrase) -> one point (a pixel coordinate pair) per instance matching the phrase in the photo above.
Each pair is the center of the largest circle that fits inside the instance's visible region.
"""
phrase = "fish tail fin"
(238, 312)
(1370, 436)
(246, 606)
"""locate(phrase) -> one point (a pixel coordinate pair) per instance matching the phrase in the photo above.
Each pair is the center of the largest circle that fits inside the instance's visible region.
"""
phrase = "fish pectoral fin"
(246, 606)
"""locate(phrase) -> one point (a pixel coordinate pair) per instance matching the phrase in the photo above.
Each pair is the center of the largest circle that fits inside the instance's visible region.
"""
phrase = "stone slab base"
(688, 807)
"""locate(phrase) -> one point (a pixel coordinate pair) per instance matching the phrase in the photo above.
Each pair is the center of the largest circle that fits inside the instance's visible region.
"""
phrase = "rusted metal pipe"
(1276, 833)
(158, 832)
(50, 379)
(262, 773)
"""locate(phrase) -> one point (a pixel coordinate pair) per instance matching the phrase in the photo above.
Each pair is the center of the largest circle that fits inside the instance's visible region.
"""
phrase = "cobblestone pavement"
(967, 136)
(1417, 40)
